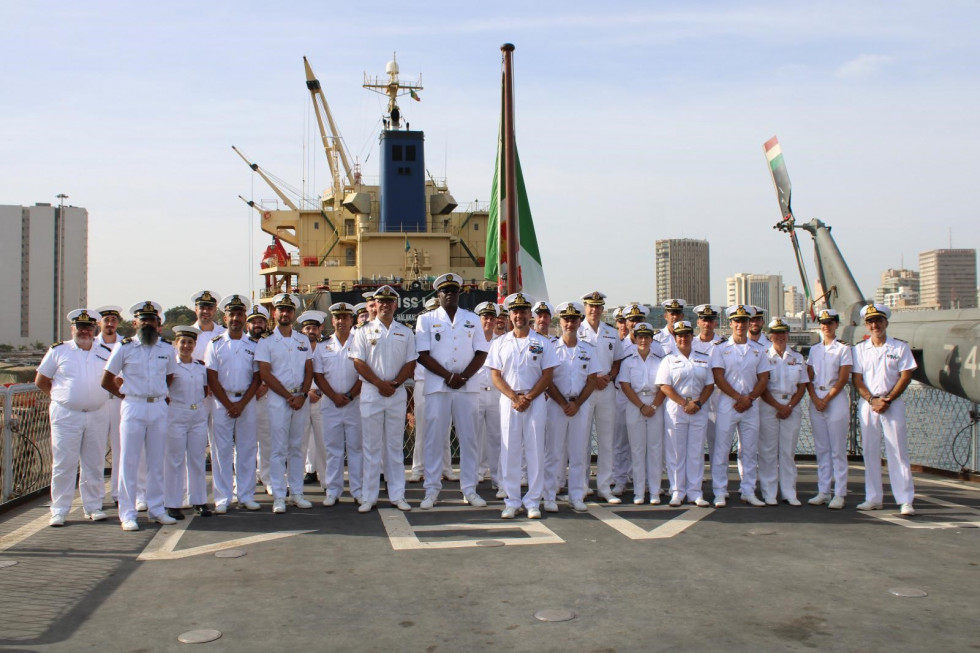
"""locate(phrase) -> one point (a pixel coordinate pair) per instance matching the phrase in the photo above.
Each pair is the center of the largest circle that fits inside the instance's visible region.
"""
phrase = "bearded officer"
(883, 368)
(703, 344)
(233, 377)
(205, 306)
(418, 412)
(108, 339)
(601, 407)
(147, 365)
(71, 374)
(335, 376)
(451, 348)
(256, 322)
(756, 324)
(311, 324)
(543, 313)
(285, 362)
(741, 372)
(384, 355)
(673, 312)
(488, 412)
(522, 366)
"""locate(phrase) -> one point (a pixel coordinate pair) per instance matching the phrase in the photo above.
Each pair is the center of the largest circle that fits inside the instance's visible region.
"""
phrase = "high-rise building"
(793, 301)
(682, 270)
(765, 290)
(892, 283)
(948, 278)
(44, 264)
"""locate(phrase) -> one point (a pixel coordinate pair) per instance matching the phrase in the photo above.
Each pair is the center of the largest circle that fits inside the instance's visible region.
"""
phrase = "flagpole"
(510, 171)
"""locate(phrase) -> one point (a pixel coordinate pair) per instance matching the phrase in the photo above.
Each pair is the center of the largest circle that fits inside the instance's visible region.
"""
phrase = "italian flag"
(780, 176)
(530, 271)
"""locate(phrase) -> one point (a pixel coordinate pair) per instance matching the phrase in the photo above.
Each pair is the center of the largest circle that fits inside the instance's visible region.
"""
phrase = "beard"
(148, 335)
(256, 331)
(83, 340)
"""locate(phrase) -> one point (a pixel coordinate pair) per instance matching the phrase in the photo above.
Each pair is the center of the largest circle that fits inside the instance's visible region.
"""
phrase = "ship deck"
(460, 578)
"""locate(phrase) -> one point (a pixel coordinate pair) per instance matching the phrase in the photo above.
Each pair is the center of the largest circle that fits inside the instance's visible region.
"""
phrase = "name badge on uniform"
(373, 342)
(438, 337)
(610, 346)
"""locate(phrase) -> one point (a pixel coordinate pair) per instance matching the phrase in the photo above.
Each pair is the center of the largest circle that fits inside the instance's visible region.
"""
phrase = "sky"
(636, 121)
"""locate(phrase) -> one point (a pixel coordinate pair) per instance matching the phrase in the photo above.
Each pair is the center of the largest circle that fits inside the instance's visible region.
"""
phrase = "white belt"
(823, 387)
(486, 388)
(78, 410)
(174, 404)
(295, 391)
(148, 400)
(234, 393)
(645, 393)
(784, 397)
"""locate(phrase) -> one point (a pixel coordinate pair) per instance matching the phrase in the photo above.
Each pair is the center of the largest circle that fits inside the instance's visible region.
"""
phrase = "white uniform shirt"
(452, 343)
(187, 388)
(688, 376)
(763, 340)
(332, 361)
(742, 363)
(826, 361)
(108, 346)
(881, 366)
(788, 371)
(666, 340)
(575, 364)
(233, 360)
(143, 368)
(204, 338)
(704, 347)
(386, 350)
(482, 376)
(608, 346)
(521, 361)
(287, 356)
(76, 375)
(641, 374)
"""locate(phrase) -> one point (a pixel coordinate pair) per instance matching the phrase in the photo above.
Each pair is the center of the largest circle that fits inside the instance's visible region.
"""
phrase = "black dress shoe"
(203, 510)
(176, 513)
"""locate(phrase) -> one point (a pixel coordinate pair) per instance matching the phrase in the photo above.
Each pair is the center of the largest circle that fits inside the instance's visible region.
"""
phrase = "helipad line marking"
(18, 535)
(402, 536)
(162, 546)
(921, 518)
(668, 529)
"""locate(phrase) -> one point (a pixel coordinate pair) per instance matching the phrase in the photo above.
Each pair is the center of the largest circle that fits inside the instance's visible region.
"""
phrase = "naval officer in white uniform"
(882, 371)
(488, 412)
(71, 374)
(108, 339)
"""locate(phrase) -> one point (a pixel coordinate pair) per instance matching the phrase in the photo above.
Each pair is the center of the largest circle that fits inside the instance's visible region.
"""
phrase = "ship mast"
(393, 87)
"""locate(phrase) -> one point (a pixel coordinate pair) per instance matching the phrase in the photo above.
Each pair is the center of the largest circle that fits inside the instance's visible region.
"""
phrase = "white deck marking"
(402, 534)
(17, 536)
(162, 546)
(664, 530)
(930, 517)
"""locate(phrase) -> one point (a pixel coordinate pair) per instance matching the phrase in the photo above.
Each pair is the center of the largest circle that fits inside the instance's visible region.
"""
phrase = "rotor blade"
(780, 177)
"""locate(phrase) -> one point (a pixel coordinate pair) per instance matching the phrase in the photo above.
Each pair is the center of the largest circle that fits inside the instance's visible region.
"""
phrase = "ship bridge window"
(476, 226)
(316, 225)
(396, 152)
(409, 152)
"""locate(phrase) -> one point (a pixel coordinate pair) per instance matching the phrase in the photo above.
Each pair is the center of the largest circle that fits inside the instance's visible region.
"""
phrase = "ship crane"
(255, 167)
(332, 143)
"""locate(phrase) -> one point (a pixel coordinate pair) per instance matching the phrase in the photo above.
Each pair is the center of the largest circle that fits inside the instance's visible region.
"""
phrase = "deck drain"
(7, 563)
(229, 553)
(554, 614)
(908, 592)
(202, 636)
(489, 543)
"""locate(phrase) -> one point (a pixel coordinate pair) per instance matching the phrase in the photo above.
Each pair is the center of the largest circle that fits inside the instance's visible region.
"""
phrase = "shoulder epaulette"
(266, 334)
(254, 339)
(165, 341)
(216, 339)
(106, 347)
(199, 362)
(126, 341)
(56, 344)
(841, 341)
(900, 340)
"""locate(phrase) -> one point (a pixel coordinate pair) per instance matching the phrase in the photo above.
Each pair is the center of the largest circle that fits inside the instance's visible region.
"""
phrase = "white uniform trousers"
(233, 455)
(342, 429)
(382, 437)
(565, 440)
(622, 464)
(602, 411)
(461, 408)
(712, 413)
(829, 430)
(488, 433)
(684, 444)
(316, 455)
(78, 441)
(522, 432)
(891, 425)
(777, 451)
(264, 444)
(418, 452)
(113, 406)
(646, 438)
(747, 424)
(185, 456)
(287, 434)
(142, 427)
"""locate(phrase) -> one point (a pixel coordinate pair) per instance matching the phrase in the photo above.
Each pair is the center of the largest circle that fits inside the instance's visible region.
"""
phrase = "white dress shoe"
(867, 505)
(721, 502)
(534, 513)
(638, 500)
(57, 519)
(221, 509)
(769, 501)
(250, 505)
(300, 501)
(96, 515)
(163, 519)
(550, 506)
(508, 513)
(589, 492)
(278, 506)
(675, 499)
(130, 525)
(141, 506)
(365, 507)
(402, 505)
(610, 498)
(329, 500)
(415, 477)
(701, 503)
(475, 500)
(837, 503)
(793, 501)
(820, 499)
(429, 501)
(501, 493)
(451, 475)
(618, 489)
(752, 500)
(907, 509)
(579, 506)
